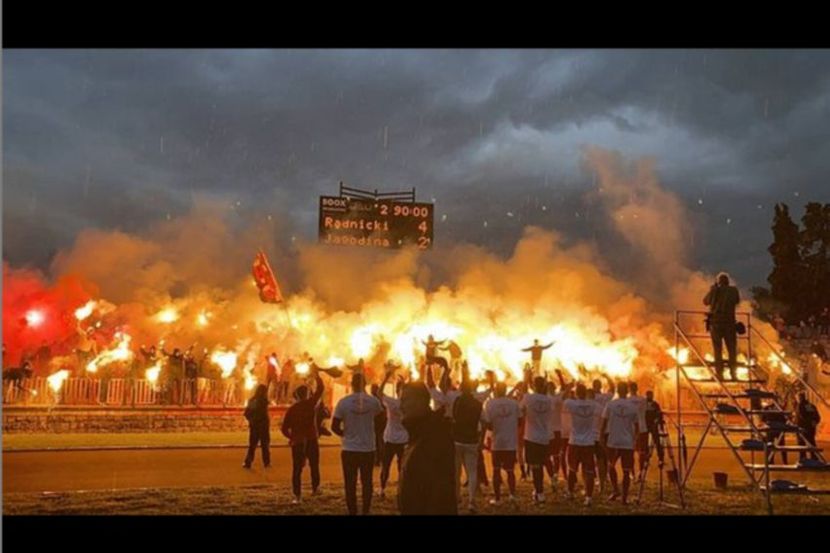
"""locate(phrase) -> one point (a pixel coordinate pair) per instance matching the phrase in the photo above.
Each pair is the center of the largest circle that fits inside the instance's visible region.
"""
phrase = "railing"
(795, 373)
(125, 392)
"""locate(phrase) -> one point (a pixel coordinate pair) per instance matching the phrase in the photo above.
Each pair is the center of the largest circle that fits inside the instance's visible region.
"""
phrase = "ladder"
(725, 401)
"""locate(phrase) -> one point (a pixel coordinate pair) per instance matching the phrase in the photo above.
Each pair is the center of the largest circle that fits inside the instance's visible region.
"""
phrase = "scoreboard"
(375, 223)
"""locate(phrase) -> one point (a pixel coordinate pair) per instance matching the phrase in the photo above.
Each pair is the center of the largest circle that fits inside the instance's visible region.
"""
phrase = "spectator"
(802, 330)
(380, 426)
(175, 370)
(271, 379)
(427, 483)
(285, 378)
(781, 326)
(300, 427)
(824, 322)
(536, 356)
(654, 423)
(807, 419)
(432, 358)
(466, 414)
(818, 350)
(259, 427)
(191, 373)
(455, 355)
(722, 300)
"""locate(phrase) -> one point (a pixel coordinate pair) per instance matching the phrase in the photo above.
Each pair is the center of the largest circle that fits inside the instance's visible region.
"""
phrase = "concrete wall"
(140, 419)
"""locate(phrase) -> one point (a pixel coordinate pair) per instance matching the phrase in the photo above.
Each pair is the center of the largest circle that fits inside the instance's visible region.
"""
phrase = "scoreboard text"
(375, 223)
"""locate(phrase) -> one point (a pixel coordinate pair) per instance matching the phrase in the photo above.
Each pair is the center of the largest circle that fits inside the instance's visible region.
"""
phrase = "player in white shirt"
(395, 436)
(566, 391)
(581, 448)
(517, 393)
(556, 431)
(536, 409)
(641, 444)
(354, 421)
(602, 456)
(619, 424)
(501, 416)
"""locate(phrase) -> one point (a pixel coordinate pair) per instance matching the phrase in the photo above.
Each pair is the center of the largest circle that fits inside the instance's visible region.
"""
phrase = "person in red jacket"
(300, 427)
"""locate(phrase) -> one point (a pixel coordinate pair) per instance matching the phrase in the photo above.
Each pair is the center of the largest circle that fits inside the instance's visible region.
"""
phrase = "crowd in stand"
(815, 326)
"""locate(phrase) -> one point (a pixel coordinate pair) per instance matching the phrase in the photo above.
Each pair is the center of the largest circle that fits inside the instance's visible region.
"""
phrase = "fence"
(117, 392)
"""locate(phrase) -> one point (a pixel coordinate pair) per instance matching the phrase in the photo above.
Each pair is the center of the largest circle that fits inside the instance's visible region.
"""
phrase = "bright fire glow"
(57, 379)
(250, 381)
(167, 315)
(121, 352)
(152, 374)
(334, 361)
(301, 368)
(682, 356)
(202, 318)
(85, 311)
(362, 340)
(226, 360)
(777, 362)
(34, 318)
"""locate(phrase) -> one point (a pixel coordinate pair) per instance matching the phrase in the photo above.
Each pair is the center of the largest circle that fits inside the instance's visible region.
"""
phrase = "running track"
(120, 469)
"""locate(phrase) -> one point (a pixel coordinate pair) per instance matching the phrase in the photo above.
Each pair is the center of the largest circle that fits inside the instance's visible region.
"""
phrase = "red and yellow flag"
(269, 289)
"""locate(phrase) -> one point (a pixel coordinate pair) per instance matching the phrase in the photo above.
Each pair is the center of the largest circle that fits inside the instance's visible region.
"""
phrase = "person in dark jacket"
(175, 373)
(259, 426)
(654, 424)
(380, 426)
(427, 481)
(191, 374)
(466, 417)
(722, 299)
(300, 427)
(807, 418)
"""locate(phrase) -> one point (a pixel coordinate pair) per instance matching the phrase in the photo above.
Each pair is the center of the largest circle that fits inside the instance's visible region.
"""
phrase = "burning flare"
(34, 318)
(226, 360)
(57, 379)
(152, 374)
(167, 315)
(86, 310)
(121, 352)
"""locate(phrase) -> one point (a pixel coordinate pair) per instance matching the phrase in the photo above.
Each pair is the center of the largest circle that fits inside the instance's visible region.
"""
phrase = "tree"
(786, 278)
(814, 250)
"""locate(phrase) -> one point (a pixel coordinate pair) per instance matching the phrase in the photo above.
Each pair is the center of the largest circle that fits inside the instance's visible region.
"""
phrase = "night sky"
(120, 139)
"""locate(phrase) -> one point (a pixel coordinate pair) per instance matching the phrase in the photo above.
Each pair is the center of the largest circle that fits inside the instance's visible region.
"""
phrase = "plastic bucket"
(721, 480)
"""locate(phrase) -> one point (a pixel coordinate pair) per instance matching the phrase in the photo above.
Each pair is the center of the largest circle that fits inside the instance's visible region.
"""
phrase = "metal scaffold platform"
(754, 416)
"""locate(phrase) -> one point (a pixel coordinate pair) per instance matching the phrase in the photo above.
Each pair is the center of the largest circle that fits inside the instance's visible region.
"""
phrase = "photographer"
(654, 423)
(722, 300)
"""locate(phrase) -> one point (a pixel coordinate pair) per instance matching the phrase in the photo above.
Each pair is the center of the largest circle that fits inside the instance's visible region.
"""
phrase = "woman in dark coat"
(259, 425)
(427, 483)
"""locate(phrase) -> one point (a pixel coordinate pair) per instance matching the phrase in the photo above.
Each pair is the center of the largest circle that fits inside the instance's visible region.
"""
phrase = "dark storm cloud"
(122, 138)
